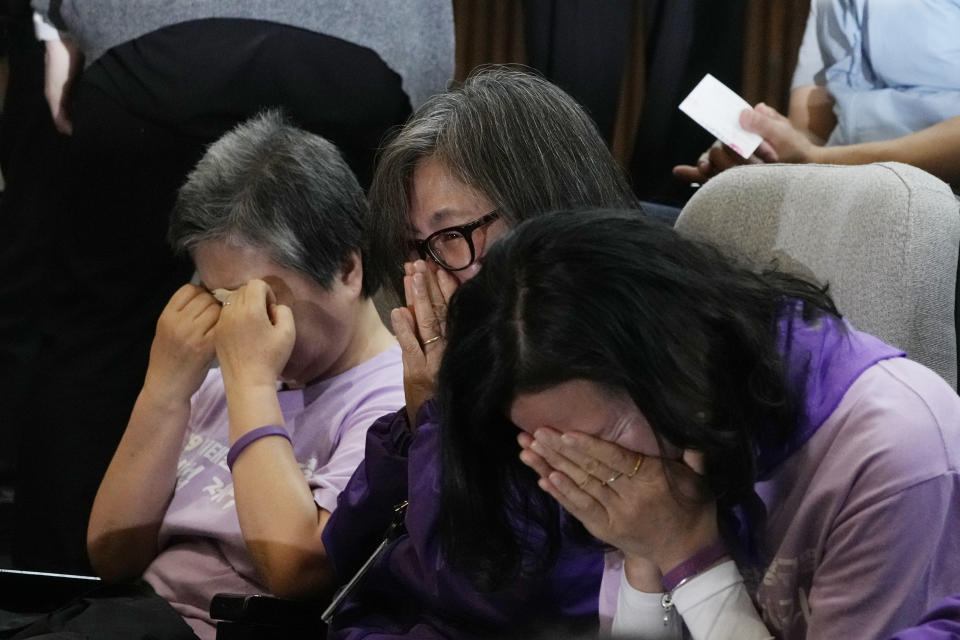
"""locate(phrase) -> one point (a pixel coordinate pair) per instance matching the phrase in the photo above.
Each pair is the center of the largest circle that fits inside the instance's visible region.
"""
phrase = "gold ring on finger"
(613, 478)
(431, 340)
(637, 466)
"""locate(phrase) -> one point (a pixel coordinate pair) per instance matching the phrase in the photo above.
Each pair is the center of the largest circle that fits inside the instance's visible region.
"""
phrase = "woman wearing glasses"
(470, 164)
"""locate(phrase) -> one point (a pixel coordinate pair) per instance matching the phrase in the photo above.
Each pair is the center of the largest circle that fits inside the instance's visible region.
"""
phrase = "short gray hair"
(513, 136)
(271, 185)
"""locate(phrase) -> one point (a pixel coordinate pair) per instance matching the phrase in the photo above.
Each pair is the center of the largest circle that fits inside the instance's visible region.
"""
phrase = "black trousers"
(111, 612)
(143, 115)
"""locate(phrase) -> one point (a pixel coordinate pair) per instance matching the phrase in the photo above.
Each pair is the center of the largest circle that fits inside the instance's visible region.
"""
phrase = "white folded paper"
(716, 107)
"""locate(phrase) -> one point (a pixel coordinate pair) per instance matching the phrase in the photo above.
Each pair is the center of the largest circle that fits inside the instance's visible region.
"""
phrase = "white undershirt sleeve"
(641, 615)
(714, 605)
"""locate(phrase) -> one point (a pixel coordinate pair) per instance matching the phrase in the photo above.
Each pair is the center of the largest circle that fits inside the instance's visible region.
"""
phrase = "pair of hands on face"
(782, 142)
(626, 498)
(428, 290)
(251, 335)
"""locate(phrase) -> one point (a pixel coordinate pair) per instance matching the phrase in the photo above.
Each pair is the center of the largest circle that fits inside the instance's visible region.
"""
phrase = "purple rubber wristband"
(695, 564)
(246, 439)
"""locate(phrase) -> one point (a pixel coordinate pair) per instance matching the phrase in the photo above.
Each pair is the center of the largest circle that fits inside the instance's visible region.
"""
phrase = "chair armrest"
(243, 616)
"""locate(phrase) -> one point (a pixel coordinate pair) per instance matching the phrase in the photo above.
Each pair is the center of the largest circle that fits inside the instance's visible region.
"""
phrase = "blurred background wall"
(631, 62)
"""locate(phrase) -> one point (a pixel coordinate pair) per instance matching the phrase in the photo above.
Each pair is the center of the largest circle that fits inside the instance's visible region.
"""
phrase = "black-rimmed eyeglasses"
(452, 248)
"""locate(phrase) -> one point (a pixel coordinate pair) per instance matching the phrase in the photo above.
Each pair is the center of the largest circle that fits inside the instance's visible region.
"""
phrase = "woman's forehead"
(438, 199)
(568, 398)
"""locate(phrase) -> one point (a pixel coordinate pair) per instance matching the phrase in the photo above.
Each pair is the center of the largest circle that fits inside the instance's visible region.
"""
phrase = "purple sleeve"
(940, 623)
(569, 591)
(416, 572)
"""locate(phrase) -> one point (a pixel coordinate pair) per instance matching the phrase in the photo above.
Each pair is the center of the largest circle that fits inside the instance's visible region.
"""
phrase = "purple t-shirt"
(863, 525)
(202, 551)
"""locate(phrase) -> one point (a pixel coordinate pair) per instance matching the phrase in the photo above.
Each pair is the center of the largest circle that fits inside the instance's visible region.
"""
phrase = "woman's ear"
(351, 276)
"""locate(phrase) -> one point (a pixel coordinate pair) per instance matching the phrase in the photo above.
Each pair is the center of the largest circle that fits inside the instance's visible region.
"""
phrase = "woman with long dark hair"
(725, 430)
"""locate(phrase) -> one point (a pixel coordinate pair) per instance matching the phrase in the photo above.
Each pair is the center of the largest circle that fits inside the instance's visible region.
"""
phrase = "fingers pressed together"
(577, 460)
(420, 328)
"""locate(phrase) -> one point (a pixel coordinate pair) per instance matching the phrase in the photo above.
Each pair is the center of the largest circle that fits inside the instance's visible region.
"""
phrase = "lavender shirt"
(202, 551)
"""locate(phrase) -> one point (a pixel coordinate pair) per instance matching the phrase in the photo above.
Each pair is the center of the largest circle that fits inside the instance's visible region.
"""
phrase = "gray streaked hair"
(273, 186)
(511, 135)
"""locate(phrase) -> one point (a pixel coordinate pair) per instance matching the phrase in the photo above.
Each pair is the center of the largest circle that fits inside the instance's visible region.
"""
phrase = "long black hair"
(623, 301)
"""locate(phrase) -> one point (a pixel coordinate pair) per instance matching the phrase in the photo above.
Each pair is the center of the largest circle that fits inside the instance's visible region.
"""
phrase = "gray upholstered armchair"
(884, 236)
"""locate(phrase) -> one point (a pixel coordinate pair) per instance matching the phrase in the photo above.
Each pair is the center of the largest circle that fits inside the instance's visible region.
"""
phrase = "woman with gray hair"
(145, 86)
(468, 165)
(506, 139)
(225, 477)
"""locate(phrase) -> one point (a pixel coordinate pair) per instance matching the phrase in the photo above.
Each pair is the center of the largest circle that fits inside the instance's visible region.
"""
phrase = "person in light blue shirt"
(891, 67)
(876, 80)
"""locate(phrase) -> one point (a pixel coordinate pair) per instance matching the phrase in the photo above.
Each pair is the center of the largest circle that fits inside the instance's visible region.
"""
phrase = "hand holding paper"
(716, 108)
(743, 134)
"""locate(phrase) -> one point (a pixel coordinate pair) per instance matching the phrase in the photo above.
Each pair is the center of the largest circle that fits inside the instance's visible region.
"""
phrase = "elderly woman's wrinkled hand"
(647, 506)
(420, 328)
(254, 336)
(183, 345)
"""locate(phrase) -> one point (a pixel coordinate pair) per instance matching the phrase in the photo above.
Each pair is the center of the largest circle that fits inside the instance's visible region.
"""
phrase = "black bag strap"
(394, 531)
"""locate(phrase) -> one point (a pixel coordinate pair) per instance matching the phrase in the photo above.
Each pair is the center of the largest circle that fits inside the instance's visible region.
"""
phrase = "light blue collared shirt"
(893, 66)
